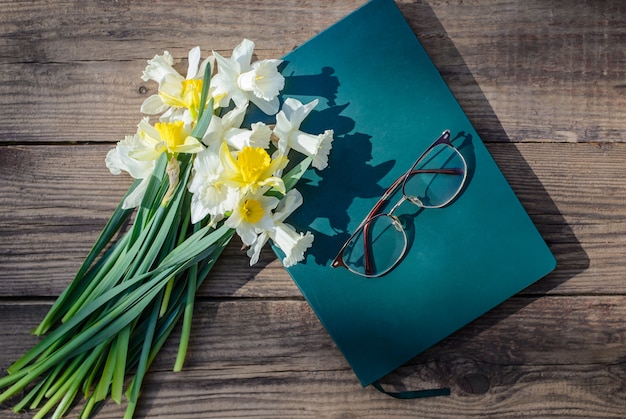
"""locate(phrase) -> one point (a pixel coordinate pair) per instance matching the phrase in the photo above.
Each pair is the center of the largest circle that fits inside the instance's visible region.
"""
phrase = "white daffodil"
(209, 195)
(227, 128)
(240, 81)
(292, 243)
(252, 212)
(220, 128)
(176, 93)
(289, 136)
(118, 159)
(259, 136)
(170, 137)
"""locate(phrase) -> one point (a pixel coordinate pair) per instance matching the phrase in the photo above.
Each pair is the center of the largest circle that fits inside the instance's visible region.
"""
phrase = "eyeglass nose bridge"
(415, 201)
(412, 199)
(397, 224)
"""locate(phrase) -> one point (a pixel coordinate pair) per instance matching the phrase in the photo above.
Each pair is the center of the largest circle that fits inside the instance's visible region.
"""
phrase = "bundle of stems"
(106, 328)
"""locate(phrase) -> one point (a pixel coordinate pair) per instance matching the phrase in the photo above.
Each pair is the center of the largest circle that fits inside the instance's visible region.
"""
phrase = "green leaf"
(295, 174)
(187, 318)
(204, 118)
(292, 177)
(135, 386)
(106, 376)
(120, 365)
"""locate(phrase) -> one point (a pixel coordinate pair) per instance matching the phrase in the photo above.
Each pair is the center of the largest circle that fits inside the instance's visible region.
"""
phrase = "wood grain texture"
(544, 83)
(272, 358)
(523, 72)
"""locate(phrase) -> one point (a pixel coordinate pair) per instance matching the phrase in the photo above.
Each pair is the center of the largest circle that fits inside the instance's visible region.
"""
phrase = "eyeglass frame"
(444, 139)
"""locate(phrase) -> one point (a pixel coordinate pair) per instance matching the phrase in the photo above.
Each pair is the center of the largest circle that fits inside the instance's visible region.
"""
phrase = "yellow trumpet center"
(251, 211)
(192, 91)
(172, 133)
(253, 162)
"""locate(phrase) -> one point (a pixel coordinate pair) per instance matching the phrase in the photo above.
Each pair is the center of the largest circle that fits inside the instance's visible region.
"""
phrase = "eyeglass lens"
(376, 246)
(437, 177)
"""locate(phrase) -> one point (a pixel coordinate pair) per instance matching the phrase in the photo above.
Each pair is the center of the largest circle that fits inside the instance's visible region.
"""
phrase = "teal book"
(386, 102)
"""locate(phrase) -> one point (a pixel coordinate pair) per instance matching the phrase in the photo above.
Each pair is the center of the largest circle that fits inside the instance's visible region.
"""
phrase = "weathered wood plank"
(128, 29)
(541, 71)
(55, 199)
(545, 71)
(539, 357)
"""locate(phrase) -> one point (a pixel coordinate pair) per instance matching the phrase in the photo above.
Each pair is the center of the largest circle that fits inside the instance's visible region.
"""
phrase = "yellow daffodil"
(253, 168)
(163, 137)
(175, 92)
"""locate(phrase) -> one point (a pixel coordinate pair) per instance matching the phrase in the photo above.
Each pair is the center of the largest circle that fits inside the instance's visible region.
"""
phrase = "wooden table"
(544, 83)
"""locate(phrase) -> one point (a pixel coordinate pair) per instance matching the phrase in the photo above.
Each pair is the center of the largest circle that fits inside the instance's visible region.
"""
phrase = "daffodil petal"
(148, 132)
(242, 54)
(292, 243)
(113, 162)
(191, 145)
(153, 105)
(290, 202)
(267, 107)
(194, 61)
(134, 199)
(228, 162)
(158, 67)
(240, 98)
(282, 130)
(296, 112)
(274, 182)
(214, 133)
(227, 69)
(198, 210)
(234, 118)
(138, 169)
(255, 249)
(258, 136)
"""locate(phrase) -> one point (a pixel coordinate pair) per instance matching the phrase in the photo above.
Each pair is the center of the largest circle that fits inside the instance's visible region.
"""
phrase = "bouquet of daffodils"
(200, 178)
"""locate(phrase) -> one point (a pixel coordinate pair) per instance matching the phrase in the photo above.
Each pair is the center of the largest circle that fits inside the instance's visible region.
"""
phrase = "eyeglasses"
(380, 242)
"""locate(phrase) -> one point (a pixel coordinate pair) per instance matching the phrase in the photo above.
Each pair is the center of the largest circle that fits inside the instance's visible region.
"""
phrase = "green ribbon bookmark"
(414, 394)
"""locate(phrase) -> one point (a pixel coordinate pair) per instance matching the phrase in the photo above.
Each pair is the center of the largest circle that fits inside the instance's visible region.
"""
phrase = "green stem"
(67, 392)
(106, 375)
(120, 365)
(186, 332)
(135, 386)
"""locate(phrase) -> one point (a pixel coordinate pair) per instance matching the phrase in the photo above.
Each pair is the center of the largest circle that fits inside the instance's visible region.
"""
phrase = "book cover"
(386, 102)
